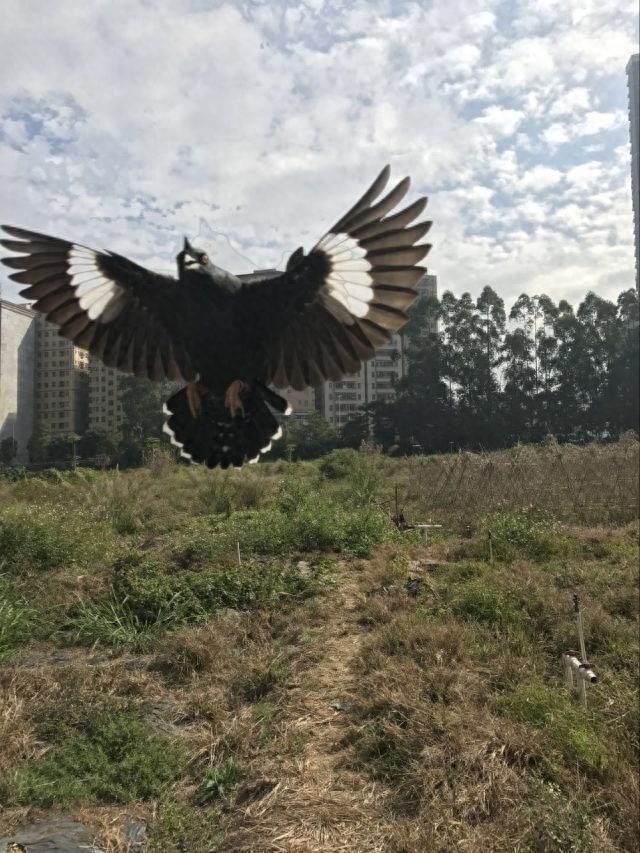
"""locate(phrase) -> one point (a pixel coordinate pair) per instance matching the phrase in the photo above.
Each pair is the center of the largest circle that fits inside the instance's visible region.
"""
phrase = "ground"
(309, 698)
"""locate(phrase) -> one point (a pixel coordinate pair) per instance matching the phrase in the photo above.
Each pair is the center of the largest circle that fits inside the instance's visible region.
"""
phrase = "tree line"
(478, 378)
(483, 378)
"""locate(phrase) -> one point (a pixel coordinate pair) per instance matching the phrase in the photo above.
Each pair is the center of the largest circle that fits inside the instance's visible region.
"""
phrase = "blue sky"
(125, 124)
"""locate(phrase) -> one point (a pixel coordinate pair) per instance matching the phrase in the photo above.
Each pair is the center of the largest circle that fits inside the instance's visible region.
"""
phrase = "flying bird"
(233, 341)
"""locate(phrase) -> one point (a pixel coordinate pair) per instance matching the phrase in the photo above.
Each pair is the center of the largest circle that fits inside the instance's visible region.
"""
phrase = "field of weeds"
(258, 660)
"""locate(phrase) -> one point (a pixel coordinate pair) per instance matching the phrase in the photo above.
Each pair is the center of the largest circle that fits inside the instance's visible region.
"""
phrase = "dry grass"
(343, 713)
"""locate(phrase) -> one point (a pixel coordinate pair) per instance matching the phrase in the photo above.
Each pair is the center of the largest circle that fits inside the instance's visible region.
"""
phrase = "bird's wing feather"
(330, 309)
(103, 302)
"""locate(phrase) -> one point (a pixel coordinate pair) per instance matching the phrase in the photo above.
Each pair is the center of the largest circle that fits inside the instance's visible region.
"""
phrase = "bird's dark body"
(231, 340)
(218, 351)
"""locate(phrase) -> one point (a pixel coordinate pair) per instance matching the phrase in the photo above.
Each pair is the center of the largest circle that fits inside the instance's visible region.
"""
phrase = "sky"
(253, 126)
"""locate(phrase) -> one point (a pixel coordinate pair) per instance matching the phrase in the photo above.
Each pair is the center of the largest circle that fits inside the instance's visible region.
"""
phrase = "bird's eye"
(204, 259)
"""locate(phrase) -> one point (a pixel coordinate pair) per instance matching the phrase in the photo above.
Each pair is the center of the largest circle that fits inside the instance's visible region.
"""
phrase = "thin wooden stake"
(490, 547)
(582, 687)
(239, 560)
(576, 604)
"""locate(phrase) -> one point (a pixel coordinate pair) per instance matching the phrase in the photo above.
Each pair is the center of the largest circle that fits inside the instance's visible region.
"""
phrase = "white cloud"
(571, 101)
(503, 122)
(266, 120)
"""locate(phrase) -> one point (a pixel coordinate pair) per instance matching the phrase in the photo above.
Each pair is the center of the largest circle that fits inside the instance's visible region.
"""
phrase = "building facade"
(302, 403)
(105, 397)
(376, 380)
(17, 362)
(61, 382)
(633, 81)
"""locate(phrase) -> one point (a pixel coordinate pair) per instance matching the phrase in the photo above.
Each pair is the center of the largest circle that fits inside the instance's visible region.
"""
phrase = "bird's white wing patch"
(97, 294)
(349, 281)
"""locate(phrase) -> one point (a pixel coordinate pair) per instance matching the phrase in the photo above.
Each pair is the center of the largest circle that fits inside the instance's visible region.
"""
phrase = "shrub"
(521, 535)
(105, 754)
(339, 464)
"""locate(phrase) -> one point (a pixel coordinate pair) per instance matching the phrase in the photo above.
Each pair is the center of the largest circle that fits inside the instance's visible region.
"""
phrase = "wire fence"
(593, 484)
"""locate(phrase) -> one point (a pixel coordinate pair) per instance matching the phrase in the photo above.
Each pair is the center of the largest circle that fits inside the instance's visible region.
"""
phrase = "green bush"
(105, 754)
(521, 535)
(339, 464)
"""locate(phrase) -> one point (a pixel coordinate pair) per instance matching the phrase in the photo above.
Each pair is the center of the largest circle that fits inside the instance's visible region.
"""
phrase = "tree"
(355, 431)
(96, 443)
(8, 450)
(307, 438)
(142, 401)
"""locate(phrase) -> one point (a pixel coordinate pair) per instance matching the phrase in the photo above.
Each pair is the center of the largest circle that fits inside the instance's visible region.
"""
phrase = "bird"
(233, 343)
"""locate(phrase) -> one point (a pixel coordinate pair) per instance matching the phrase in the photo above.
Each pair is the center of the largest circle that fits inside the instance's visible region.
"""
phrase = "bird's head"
(192, 259)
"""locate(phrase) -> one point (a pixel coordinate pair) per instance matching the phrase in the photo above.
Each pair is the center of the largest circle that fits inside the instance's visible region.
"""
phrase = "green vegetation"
(218, 782)
(16, 619)
(145, 666)
(148, 598)
(567, 725)
(100, 754)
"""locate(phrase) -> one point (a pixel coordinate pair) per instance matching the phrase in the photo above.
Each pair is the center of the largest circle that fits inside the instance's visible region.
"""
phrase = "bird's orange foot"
(194, 398)
(232, 399)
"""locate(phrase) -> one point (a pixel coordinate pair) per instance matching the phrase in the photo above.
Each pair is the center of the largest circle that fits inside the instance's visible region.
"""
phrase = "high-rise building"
(17, 354)
(61, 382)
(302, 403)
(633, 79)
(339, 401)
(376, 379)
(105, 397)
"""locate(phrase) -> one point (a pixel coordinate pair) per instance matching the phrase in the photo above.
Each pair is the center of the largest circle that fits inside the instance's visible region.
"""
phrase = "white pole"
(568, 672)
(239, 560)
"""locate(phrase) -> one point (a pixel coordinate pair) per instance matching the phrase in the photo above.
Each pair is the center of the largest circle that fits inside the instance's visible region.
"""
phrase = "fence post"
(490, 547)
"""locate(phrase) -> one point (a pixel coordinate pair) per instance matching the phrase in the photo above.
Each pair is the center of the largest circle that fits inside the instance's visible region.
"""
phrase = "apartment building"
(633, 82)
(61, 382)
(17, 357)
(339, 401)
(105, 397)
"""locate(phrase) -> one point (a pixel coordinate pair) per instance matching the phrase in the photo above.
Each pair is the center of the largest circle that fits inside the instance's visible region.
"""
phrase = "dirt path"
(318, 804)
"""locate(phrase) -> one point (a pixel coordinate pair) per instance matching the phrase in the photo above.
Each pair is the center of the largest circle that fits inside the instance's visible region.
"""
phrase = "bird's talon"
(232, 398)
(193, 399)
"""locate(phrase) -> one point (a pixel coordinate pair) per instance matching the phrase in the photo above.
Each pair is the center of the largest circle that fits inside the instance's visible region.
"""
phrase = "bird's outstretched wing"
(103, 302)
(330, 309)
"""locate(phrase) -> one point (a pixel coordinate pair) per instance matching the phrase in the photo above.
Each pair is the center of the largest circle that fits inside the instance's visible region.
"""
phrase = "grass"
(569, 726)
(218, 782)
(103, 754)
(16, 619)
(144, 669)
(148, 598)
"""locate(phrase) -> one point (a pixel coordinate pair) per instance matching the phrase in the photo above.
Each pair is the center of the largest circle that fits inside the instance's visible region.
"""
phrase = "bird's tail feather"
(215, 438)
